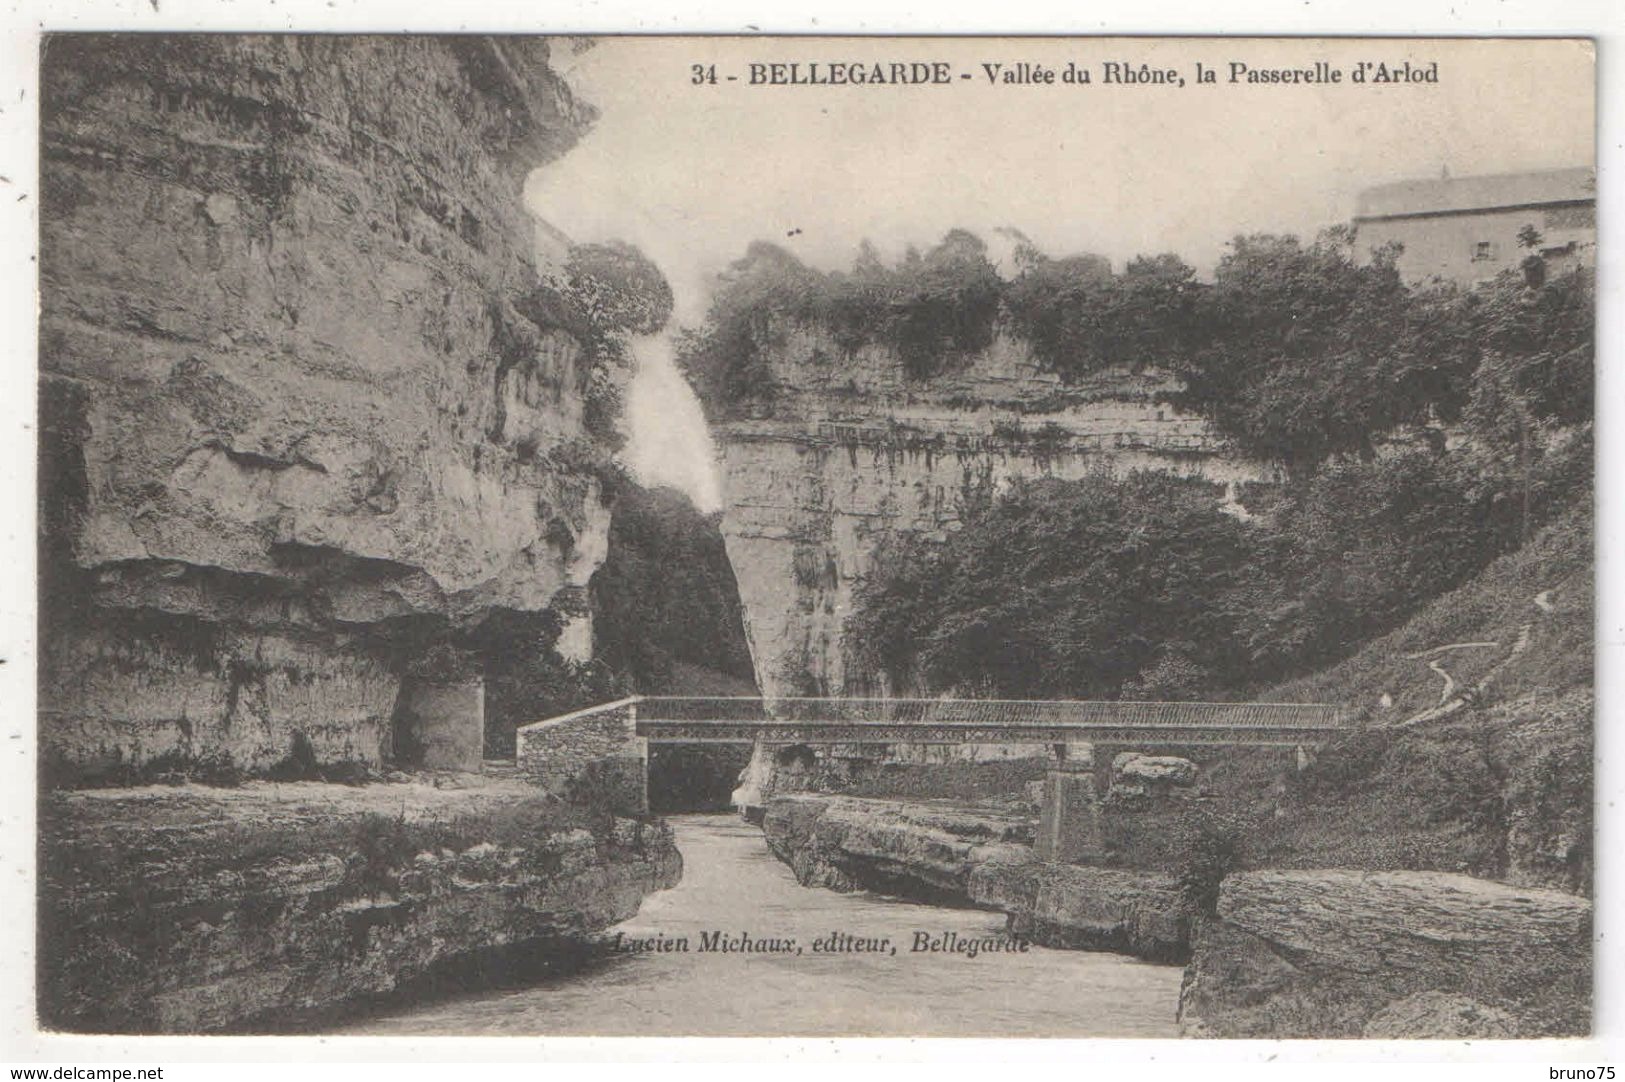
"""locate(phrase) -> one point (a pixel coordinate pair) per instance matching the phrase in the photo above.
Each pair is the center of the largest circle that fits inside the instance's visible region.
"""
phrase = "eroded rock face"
(190, 910)
(849, 843)
(292, 396)
(853, 450)
(1331, 953)
(1429, 1015)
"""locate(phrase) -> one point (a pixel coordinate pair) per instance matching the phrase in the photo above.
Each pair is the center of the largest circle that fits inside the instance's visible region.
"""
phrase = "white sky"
(693, 174)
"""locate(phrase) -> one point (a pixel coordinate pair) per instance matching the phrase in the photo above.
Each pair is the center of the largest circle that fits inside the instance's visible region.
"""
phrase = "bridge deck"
(684, 719)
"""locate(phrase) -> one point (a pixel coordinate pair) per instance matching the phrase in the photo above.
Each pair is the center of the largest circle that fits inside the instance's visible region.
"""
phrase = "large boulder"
(928, 852)
(1139, 780)
(1326, 953)
(1153, 770)
(1083, 908)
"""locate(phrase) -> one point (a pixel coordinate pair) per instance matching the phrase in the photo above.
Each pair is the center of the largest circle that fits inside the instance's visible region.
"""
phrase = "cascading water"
(667, 440)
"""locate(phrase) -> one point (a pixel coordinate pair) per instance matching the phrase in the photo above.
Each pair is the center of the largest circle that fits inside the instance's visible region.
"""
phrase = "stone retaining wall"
(591, 755)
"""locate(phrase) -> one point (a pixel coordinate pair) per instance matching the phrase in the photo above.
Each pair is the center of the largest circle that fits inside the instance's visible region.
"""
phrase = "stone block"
(1077, 754)
(441, 726)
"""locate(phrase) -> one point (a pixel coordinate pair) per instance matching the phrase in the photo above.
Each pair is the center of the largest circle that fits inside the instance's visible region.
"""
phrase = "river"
(732, 884)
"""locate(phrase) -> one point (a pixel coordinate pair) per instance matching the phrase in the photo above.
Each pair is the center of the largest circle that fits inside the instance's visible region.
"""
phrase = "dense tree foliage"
(1352, 551)
(1080, 318)
(1146, 588)
(1067, 589)
(1297, 352)
(1303, 352)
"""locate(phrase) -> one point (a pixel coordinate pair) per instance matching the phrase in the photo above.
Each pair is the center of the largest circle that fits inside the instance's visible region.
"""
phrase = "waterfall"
(667, 440)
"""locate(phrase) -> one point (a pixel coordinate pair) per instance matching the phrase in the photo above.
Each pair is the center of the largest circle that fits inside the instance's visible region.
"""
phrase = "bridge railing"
(1014, 713)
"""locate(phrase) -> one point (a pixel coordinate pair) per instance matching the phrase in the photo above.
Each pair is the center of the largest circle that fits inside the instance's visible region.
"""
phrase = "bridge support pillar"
(750, 797)
(1069, 822)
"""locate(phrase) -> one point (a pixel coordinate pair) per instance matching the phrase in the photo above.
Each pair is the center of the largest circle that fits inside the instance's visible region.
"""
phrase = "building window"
(1483, 250)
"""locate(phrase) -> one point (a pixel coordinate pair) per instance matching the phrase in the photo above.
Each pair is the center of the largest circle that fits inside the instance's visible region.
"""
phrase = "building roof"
(1455, 195)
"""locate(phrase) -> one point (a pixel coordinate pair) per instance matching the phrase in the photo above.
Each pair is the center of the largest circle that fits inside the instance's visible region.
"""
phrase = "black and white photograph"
(814, 537)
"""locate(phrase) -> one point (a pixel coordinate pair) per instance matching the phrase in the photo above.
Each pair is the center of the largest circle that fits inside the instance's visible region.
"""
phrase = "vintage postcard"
(815, 536)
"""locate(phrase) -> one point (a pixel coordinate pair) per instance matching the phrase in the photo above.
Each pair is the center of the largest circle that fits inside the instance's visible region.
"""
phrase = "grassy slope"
(1501, 788)
(1493, 606)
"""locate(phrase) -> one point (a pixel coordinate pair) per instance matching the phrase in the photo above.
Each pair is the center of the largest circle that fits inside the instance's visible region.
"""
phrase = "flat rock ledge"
(1082, 908)
(197, 910)
(919, 850)
(1338, 953)
(957, 856)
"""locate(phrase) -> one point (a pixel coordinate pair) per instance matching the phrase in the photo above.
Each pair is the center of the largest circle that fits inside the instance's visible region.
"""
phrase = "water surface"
(732, 884)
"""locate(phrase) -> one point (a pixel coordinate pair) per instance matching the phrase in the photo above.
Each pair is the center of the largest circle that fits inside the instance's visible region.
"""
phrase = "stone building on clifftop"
(1466, 229)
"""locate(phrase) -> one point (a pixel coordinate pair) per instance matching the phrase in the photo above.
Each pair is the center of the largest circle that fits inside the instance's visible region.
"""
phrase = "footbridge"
(783, 720)
(602, 753)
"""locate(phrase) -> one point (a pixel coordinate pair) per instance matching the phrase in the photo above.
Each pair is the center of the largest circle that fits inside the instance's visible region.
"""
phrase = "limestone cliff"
(850, 449)
(296, 395)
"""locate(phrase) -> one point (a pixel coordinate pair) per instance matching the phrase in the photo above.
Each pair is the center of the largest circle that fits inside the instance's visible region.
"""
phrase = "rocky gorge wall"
(851, 450)
(195, 909)
(291, 410)
(1308, 953)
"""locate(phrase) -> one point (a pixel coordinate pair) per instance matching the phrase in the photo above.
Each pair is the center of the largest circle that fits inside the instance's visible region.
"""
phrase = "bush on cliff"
(727, 358)
(1080, 318)
(930, 310)
(617, 288)
(603, 293)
